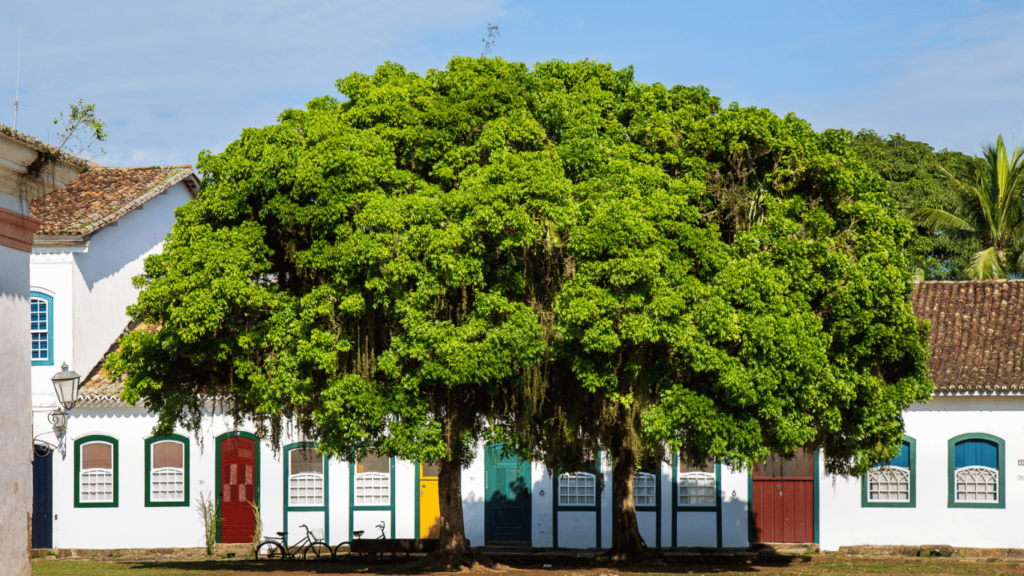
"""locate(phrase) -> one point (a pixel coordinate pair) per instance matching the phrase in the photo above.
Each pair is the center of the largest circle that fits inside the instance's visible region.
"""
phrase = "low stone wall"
(219, 551)
(934, 550)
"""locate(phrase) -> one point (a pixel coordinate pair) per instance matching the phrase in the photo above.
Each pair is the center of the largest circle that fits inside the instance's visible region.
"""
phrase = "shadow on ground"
(555, 566)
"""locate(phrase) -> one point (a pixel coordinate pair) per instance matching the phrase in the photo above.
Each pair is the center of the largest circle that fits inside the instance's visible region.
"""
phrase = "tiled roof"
(44, 148)
(101, 196)
(977, 337)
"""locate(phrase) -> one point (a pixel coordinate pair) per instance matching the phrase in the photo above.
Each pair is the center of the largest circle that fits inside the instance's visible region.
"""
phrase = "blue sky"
(173, 78)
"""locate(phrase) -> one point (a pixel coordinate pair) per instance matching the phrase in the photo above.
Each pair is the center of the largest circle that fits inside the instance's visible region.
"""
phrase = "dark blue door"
(42, 498)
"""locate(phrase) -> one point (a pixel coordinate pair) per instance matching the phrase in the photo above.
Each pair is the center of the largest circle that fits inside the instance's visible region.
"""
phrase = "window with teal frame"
(41, 308)
(893, 483)
(167, 471)
(306, 481)
(977, 471)
(96, 472)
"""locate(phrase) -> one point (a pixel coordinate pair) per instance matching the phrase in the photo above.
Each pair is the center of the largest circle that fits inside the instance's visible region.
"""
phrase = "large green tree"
(577, 258)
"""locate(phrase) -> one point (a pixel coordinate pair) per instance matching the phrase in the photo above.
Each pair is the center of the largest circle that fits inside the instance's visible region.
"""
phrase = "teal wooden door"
(507, 512)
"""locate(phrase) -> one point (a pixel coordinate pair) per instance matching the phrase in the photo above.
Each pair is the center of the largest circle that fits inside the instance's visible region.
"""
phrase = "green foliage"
(918, 177)
(81, 122)
(569, 254)
(989, 210)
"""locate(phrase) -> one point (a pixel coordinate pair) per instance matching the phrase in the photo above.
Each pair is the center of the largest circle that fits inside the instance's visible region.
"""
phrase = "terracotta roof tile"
(44, 148)
(977, 337)
(101, 196)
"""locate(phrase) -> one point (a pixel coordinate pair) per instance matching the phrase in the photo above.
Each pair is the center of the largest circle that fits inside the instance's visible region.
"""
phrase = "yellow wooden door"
(430, 506)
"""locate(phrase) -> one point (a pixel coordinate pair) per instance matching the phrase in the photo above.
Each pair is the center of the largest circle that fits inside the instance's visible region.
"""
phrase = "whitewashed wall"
(931, 521)
(103, 275)
(15, 416)
(735, 507)
(91, 288)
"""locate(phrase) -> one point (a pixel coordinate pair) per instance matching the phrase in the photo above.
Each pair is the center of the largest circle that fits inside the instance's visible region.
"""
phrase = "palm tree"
(991, 209)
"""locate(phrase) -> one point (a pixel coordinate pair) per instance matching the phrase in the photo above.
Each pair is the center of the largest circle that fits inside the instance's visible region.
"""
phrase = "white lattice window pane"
(167, 475)
(977, 484)
(697, 489)
(96, 478)
(96, 485)
(644, 489)
(167, 485)
(889, 484)
(578, 489)
(306, 489)
(373, 489)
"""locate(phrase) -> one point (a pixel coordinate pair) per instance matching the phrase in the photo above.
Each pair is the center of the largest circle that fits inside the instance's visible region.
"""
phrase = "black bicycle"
(311, 547)
(358, 534)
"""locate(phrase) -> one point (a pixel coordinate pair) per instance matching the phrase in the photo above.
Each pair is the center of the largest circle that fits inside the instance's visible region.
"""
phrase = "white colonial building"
(28, 169)
(955, 483)
(92, 238)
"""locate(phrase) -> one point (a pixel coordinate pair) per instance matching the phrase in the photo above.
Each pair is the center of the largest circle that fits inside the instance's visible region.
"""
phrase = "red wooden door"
(783, 499)
(237, 489)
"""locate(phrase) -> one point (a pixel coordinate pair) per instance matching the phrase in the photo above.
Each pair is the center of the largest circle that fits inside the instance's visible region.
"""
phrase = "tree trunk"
(452, 546)
(628, 545)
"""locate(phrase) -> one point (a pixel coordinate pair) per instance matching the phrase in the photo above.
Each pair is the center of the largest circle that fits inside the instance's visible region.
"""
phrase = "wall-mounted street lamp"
(65, 384)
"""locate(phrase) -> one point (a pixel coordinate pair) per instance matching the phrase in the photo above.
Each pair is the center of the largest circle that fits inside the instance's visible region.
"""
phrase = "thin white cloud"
(958, 90)
(170, 79)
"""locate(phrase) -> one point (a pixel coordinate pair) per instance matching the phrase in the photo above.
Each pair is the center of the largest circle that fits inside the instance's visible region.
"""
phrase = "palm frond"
(935, 219)
(985, 266)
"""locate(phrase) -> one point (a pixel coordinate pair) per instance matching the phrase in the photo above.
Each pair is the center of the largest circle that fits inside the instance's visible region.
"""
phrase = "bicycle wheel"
(317, 551)
(338, 552)
(269, 551)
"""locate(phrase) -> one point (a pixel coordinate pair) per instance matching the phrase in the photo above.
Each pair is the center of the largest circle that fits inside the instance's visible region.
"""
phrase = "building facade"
(956, 481)
(20, 182)
(92, 237)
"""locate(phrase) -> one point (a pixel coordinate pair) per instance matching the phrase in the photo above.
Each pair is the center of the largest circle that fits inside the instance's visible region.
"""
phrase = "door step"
(787, 548)
(507, 547)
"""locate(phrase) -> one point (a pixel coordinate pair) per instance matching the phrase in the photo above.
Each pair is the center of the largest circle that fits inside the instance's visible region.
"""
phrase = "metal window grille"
(373, 489)
(40, 329)
(307, 489)
(977, 484)
(577, 489)
(644, 489)
(697, 489)
(889, 484)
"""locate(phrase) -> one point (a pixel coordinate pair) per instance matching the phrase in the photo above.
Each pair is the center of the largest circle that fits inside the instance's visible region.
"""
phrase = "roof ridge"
(132, 168)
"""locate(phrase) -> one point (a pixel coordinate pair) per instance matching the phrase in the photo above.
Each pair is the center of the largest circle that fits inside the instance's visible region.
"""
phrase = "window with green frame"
(892, 484)
(41, 309)
(167, 471)
(977, 471)
(96, 472)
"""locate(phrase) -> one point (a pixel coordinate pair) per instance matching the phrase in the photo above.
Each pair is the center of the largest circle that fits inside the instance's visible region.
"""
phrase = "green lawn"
(823, 565)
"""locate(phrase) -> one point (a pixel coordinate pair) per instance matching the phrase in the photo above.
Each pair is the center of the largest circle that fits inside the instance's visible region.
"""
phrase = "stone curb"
(934, 550)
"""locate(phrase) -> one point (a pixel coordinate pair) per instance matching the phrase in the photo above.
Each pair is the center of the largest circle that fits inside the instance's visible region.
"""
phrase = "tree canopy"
(918, 177)
(988, 212)
(561, 251)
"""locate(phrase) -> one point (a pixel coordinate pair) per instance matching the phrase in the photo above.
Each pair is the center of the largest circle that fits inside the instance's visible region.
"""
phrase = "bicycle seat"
(282, 534)
(358, 533)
